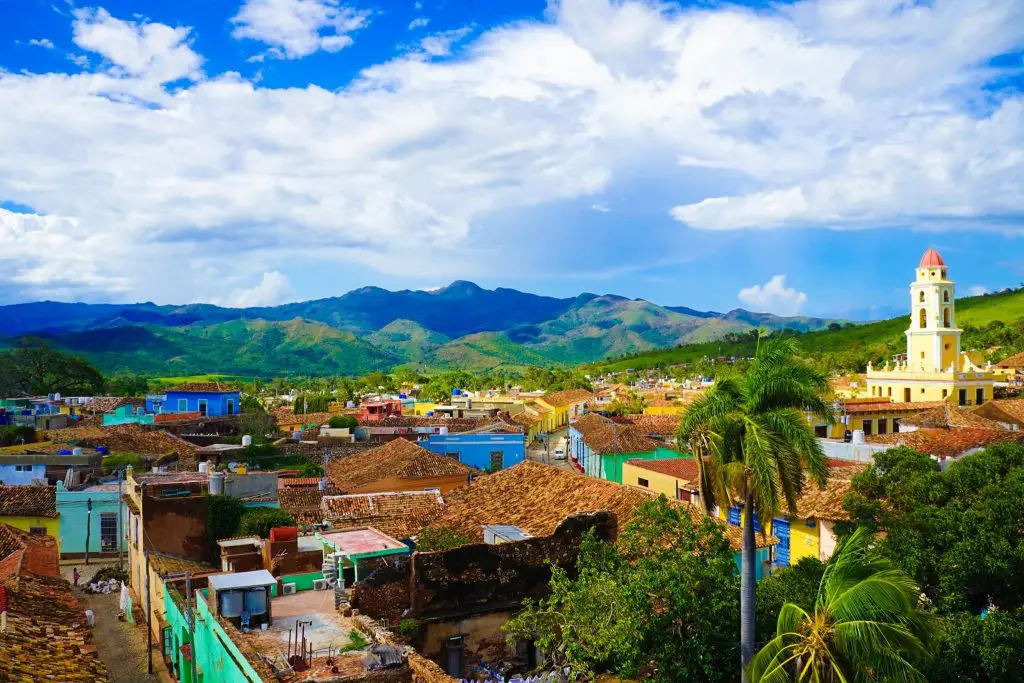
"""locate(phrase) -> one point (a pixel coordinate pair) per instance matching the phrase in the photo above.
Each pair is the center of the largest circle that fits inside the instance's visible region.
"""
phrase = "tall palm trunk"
(747, 581)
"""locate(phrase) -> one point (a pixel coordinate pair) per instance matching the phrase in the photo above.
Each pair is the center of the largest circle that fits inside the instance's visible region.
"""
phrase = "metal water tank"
(204, 467)
(217, 484)
(231, 603)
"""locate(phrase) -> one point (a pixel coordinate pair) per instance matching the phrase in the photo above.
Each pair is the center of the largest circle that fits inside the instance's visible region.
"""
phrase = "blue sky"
(790, 157)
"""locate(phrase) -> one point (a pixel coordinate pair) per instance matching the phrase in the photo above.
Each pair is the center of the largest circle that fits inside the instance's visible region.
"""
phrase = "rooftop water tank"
(64, 451)
(247, 440)
(204, 467)
(102, 450)
(217, 484)
(456, 392)
(76, 451)
(858, 436)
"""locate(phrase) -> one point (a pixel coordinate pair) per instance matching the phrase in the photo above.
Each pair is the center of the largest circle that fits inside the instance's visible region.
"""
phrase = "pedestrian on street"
(75, 576)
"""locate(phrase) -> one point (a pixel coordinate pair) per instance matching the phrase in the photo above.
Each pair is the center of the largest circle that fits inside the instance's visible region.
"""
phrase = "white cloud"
(600, 208)
(418, 22)
(41, 42)
(977, 290)
(297, 28)
(149, 192)
(150, 51)
(440, 44)
(773, 297)
(272, 289)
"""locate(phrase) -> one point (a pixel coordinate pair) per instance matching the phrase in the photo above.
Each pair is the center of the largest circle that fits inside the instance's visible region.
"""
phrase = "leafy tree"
(956, 532)
(441, 537)
(311, 470)
(223, 518)
(866, 624)
(797, 584)
(250, 404)
(633, 404)
(312, 403)
(257, 424)
(33, 367)
(405, 377)
(983, 650)
(259, 521)
(834, 327)
(754, 443)
(128, 384)
(343, 422)
(12, 436)
(378, 381)
(660, 602)
(118, 461)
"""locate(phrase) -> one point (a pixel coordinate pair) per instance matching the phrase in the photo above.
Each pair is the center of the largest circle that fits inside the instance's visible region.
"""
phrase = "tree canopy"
(33, 367)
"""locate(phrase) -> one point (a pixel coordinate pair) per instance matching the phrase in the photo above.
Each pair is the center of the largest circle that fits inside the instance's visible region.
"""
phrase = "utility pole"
(88, 528)
(149, 617)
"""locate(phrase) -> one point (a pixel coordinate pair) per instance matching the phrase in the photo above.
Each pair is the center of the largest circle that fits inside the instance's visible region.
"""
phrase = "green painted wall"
(611, 465)
(217, 657)
(303, 582)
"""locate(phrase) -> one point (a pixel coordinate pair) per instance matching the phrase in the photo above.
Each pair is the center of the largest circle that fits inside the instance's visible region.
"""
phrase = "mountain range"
(461, 325)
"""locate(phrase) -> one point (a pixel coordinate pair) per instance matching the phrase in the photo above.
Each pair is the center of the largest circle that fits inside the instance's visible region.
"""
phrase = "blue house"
(102, 527)
(212, 399)
(483, 450)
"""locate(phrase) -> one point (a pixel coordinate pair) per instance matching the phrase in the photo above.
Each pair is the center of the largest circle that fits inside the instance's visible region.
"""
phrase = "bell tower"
(933, 339)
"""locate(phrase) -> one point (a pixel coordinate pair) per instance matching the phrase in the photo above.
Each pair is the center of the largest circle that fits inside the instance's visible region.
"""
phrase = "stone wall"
(425, 671)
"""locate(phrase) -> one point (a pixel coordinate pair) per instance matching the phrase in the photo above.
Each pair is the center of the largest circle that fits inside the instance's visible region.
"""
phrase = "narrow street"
(121, 646)
(557, 439)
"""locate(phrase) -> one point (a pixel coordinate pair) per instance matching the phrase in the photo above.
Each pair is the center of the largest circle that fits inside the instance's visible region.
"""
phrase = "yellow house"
(1009, 368)
(676, 478)
(935, 368)
(560, 407)
(31, 508)
(288, 421)
(811, 532)
(421, 408)
(873, 416)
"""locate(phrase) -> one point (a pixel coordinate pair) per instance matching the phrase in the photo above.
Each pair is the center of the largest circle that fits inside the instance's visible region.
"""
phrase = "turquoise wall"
(759, 563)
(611, 465)
(216, 655)
(73, 509)
(127, 415)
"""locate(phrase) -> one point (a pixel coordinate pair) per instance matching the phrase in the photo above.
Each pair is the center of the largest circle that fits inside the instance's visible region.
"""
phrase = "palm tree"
(753, 443)
(866, 625)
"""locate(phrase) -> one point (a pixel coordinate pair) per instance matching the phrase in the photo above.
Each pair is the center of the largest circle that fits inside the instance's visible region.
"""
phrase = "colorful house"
(1009, 413)
(92, 515)
(675, 478)
(564, 406)
(873, 416)
(209, 399)
(32, 509)
(289, 422)
(1011, 367)
(600, 447)
(934, 368)
(492, 448)
(374, 411)
(128, 414)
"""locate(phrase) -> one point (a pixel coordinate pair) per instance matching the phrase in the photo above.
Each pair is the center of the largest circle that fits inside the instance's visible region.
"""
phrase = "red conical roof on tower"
(931, 258)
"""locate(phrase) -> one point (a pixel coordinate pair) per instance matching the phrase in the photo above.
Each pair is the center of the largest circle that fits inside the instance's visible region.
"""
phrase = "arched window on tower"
(945, 296)
(920, 296)
(923, 317)
(945, 317)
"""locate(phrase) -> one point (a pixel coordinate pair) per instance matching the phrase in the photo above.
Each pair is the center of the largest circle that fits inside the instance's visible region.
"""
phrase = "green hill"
(485, 351)
(988, 320)
(407, 340)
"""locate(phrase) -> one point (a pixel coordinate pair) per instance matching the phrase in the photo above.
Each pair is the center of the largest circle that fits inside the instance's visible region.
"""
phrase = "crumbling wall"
(384, 594)
(488, 577)
(176, 526)
(425, 671)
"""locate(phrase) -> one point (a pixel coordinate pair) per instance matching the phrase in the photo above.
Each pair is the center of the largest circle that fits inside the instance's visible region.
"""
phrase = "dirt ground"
(121, 646)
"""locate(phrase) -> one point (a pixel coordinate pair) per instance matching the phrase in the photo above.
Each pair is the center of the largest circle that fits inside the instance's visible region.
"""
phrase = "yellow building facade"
(29, 523)
(935, 368)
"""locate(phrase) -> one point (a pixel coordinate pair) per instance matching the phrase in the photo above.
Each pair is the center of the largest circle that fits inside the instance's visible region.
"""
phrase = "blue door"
(734, 516)
(781, 530)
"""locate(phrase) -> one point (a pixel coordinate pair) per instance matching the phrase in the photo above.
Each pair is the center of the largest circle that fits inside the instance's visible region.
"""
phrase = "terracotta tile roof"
(603, 436)
(294, 482)
(1014, 361)
(948, 416)
(948, 442)
(288, 416)
(1003, 410)
(525, 419)
(397, 514)
(680, 468)
(567, 397)
(204, 388)
(28, 501)
(108, 404)
(883, 407)
(827, 503)
(165, 565)
(129, 438)
(537, 497)
(454, 424)
(652, 425)
(47, 638)
(302, 503)
(931, 258)
(398, 458)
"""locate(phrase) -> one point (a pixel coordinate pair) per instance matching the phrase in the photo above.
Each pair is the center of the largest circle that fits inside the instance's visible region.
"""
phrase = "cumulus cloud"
(418, 22)
(41, 42)
(773, 297)
(440, 44)
(977, 290)
(162, 189)
(298, 28)
(147, 50)
(272, 289)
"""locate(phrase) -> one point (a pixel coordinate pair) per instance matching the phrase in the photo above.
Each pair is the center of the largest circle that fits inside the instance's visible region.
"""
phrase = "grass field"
(211, 377)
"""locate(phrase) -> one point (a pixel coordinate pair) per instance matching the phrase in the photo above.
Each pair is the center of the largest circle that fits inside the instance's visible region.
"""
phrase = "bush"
(441, 538)
(118, 461)
(13, 436)
(342, 422)
(410, 628)
(223, 517)
(311, 470)
(259, 521)
(108, 573)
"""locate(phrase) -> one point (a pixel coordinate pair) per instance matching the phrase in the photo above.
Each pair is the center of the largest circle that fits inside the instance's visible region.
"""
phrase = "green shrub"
(441, 538)
(342, 422)
(259, 521)
(118, 461)
(311, 470)
(12, 436)
(410, 628)
(223, 518)
(356, 641)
